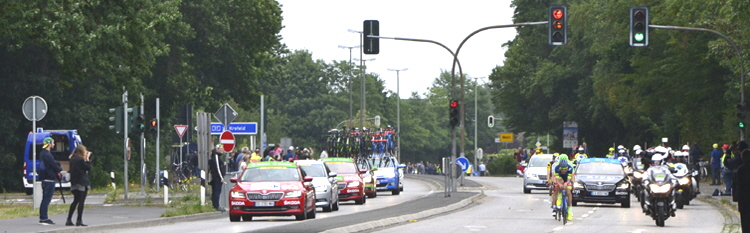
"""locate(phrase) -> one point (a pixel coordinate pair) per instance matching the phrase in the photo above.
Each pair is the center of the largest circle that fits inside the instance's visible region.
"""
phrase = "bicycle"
(181, 173)
(703, 170)
(562, 212)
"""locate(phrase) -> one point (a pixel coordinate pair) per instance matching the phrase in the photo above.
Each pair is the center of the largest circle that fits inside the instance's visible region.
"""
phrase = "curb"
(731, 216)
(142, 223)
(405, 218)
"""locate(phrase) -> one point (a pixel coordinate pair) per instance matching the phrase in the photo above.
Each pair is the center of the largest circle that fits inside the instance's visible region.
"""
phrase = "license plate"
(264, 203)
(599, 193)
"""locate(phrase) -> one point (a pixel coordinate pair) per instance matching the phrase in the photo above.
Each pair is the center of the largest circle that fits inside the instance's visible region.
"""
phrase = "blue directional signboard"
(237, 128)
(463, 162)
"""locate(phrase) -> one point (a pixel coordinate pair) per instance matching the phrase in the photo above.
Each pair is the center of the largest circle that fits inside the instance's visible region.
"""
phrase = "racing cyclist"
(553, 180)
(564, 181)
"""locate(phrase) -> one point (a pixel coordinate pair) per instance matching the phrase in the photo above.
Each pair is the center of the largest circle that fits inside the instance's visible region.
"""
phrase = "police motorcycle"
(686, 188)
(659, 190)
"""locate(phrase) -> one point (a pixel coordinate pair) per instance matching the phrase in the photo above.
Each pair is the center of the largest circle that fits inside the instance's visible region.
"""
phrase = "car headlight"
(660, 188)
(296, 193)
(684, 180)
(236, 194)
(578, 185)
(532, 175)
(353, 184)
(623, 186)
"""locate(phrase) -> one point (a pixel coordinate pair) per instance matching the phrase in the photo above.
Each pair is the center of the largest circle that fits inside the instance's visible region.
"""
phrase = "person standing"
(48, 177)
(290, 156)
(482, 169)
(716, 155)
(80, 165)
(324, 154)
(217, 175)
(741, 193)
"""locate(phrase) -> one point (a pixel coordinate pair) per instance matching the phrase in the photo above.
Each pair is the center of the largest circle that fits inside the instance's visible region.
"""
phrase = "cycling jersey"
(564, 177)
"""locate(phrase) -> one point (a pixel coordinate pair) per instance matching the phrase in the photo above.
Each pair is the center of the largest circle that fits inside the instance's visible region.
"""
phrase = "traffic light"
(558, 25)
(371, 28)
(154, 126)
(741, 115)
(454, 113)
(137, 121)
(638, 26)
(117, 119)
(491, 121)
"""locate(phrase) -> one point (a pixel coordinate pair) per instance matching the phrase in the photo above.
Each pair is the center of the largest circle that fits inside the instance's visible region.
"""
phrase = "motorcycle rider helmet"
(580, 149)
(657, 158)
(661, 150)
(636, 147)
(620, 147)
(685, 148)
(621, 152)
(612, 150)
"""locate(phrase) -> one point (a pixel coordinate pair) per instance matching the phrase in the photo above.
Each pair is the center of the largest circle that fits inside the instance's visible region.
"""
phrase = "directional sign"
(227, 140)
(180, 129)
(226, 114)
(463, 162)
(237, 128)
(506, 137)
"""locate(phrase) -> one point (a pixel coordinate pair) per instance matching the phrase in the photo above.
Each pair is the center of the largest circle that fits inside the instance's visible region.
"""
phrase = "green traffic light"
(638, 37)
(741, 124)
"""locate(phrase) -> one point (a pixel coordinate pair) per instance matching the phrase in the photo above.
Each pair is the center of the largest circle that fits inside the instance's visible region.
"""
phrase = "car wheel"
(29, 191)
(626, 203)
(361, 201)
(247, 217)
(312, 213)
(328, 208)
(575, 203)
(301, 216)
(336, 206)
(526, 190)
(234, 218)
(396, 192)
(372, 195)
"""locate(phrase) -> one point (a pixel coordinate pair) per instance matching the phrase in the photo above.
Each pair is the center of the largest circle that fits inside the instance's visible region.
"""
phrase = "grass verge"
(186, 205)
(25, 210)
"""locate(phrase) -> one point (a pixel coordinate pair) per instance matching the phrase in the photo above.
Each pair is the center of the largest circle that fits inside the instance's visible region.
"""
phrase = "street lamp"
(363, 106)
(350, 77)
(398, 113)
(475, 120)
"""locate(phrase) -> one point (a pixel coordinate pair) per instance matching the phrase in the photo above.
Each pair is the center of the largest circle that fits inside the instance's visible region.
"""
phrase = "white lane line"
(557, 228)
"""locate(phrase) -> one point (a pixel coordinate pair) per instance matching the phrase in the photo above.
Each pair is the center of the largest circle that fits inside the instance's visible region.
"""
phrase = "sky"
(320, 26)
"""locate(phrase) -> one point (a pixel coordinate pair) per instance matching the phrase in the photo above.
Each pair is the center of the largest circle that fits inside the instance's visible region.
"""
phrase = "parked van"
(65, 142)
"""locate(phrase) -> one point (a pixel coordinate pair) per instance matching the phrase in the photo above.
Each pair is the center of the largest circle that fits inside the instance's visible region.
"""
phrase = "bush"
(502, 164)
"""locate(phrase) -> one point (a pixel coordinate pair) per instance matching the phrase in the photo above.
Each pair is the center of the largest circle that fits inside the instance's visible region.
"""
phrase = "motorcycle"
(686, 187)
(636, 177)
(658, 195)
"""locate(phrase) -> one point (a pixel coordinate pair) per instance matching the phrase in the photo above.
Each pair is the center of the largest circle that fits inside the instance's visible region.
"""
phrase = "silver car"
(535, 176)
(326, 186)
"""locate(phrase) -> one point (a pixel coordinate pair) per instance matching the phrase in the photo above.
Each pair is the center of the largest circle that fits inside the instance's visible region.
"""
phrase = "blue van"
(65, 142)
(389, 174)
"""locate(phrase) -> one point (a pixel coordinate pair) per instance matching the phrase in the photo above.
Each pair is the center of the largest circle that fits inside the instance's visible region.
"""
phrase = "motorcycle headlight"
(660, 188)
(684, 180)
(296, 193)
(578, 185)
(353, 184)
(638, 174)
(623, 186)
(236, 194)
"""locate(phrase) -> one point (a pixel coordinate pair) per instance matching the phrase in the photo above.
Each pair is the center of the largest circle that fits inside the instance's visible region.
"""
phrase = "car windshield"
(342, 167)
(270, 174)
(314, 170)
(599, 168)
(539, 162)
(382, 162)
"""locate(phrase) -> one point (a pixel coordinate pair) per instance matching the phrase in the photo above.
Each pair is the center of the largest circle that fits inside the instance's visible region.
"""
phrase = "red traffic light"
(153, 123)
(639, 15)
(557, 14)
(454, 104)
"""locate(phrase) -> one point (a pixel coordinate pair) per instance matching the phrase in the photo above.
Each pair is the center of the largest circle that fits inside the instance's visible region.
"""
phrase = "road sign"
(506, 137)
(34, 106)
(463, 162)
(480, 153)
(227, 140)
(225, 115)
(237, 128)
(180, 129)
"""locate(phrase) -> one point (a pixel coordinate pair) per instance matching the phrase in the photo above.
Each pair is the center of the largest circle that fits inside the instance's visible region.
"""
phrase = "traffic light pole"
(125, 141)
(143, 159)
(736, 50)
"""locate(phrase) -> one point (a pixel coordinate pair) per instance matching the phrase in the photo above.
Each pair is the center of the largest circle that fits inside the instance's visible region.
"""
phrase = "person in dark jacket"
(49, 178)
(80, 165)
(741, 193)
(217, 175)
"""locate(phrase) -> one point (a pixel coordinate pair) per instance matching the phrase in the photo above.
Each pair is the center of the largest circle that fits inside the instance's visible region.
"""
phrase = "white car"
(535, 175)
(326, 186)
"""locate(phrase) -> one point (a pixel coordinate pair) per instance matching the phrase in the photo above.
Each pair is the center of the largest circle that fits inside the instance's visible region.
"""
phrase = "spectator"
(217, 175)
(255, 156)
(728, 161)
(305, 155)
(518, 155)
(48, 177)
(238, 158)
(323, 154)
(716, 155)
(695, 155)
(482, 169)
(741, 193)
(80, 165)
(290, 156)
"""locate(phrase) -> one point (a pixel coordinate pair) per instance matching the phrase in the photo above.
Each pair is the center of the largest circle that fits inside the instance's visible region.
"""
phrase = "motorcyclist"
(611, 153)
(580, 155)
(564, 181)
(658, 166)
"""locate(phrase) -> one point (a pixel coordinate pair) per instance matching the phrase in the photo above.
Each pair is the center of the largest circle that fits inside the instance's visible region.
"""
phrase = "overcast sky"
(320, 26)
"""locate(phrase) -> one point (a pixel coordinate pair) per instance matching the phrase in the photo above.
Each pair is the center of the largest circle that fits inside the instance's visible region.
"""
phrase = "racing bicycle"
(562, 211)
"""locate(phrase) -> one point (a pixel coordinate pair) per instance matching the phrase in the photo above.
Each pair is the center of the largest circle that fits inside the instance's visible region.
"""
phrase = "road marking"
(557, 228)
(476, 228)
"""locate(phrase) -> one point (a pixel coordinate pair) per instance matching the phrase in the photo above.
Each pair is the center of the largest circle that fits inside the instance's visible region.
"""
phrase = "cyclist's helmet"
(621, 152)
(564, 166)
(620, 147)
(562, 157)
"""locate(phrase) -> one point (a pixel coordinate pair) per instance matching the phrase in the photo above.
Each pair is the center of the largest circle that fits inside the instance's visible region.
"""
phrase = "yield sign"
(227, 140)
(180, 129)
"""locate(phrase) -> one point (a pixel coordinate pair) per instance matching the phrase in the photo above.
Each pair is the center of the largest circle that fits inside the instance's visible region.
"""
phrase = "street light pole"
(363, 108)
(398, 112)
(349, 84)
(475, 121)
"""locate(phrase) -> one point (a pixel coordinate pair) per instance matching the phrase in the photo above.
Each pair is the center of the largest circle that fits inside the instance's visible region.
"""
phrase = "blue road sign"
(463, 162)
(237, 128)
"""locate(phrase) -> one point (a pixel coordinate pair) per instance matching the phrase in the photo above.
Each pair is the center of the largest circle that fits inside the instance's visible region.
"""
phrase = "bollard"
(203, 187)
(112, 179)
(166, 189)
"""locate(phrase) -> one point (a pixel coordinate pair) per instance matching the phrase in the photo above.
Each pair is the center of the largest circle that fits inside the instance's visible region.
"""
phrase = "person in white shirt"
(482, 169)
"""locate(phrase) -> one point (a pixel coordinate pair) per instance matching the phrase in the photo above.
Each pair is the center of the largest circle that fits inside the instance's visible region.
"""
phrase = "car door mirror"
(374, 168)
(308, 179)
(362, 171)
(401, 166)
(332, 174)
(233, 180)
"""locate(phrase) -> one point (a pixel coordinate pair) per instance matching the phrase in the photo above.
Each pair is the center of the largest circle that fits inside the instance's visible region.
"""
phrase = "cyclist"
(552, 179)
(564, 181)
(549, 171)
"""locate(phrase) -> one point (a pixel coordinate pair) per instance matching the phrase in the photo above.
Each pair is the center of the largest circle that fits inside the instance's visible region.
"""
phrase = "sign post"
(34, 109)
(181, 132)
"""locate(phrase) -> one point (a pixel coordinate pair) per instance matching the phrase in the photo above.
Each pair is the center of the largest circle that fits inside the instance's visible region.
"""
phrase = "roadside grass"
(25, 210)
(186, 205)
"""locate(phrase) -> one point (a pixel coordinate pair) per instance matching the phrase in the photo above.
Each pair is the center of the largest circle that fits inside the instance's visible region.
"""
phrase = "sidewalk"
(723, 204)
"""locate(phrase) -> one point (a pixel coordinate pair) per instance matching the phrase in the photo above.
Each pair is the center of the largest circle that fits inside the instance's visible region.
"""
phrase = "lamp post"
(475, 121)
(349, 84)
(363, 106)
(398, 112)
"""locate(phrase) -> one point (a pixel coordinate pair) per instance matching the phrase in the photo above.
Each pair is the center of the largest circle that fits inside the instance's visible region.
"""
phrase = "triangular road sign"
(180, 129)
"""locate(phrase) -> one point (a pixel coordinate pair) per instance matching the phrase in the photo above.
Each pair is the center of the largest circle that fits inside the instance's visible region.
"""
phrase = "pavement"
(723, 204)
(133, 213)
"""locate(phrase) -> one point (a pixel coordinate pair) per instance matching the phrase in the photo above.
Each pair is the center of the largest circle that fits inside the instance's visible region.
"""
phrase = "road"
(506, 207)
(412, 189)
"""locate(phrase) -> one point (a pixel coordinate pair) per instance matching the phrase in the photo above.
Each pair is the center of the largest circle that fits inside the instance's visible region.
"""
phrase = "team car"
(368, 177)
(601, 180)
(272, 189)
(535, 175)
(351, 185)
(390, 176)
(324, 181)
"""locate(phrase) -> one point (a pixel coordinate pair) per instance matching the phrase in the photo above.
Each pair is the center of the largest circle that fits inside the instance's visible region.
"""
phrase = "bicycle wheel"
(564, 210)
